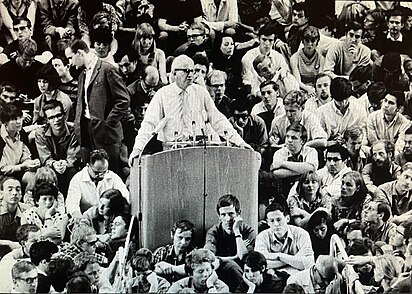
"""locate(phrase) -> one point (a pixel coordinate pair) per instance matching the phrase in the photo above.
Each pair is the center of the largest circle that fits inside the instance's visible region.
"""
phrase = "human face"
(61, 69)
(93, 272)
(15, 125)
(298, 18)
(201, 272)
(353, 38)
(22, 30)
(360, 88)
(395, 25)
(227, 47)
(24, 61)
(75, 59)
(55, 117)
(321, 230)
(146, 42)
(119, 229)
(405, 181)
(408, 144)
(195, 37)
(310, 186)
(126, 66)
(323, 88)
(43, 85)
(294, 142)
(353, 235)
(389, 106)
(241, 117)
(184, 76)
(348, 188)
(379, 155)
(7, 96)
(46, 201)
(319, 274)
(104, 206)
(218, 86)
(142, 275)
(408, 23)
(266, 69)
(370, 212)
(98, 170)
(200, 72)
(408, 70)
(102, 49)
(354, 145)
(266, 43)
(11, 192)
(226, 217)
(334, 162)
(26, 282)
(256, 277)
(182, 241)
(89, 244)
(309, 45)
(32, 237)
(369, 22)
(293, 113)
(269, 96)
(278, 223)
(397, 239)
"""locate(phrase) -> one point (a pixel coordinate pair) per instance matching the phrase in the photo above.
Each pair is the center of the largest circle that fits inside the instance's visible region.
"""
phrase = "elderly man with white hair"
(181, 110)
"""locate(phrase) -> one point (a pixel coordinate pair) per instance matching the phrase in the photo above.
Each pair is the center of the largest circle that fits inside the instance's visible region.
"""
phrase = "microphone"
(207, 124)
(194, 132)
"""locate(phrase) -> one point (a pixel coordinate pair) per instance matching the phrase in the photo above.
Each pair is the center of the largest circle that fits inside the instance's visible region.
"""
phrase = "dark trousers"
(231, 273)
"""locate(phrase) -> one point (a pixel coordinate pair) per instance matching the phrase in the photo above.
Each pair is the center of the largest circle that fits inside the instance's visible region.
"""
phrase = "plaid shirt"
(70, 251)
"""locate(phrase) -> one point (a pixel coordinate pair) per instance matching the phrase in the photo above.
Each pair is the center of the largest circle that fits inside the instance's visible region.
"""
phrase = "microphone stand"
(204, 180)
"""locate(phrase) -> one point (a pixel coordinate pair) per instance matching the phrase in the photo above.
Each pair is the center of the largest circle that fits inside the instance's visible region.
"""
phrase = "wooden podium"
(186, 184)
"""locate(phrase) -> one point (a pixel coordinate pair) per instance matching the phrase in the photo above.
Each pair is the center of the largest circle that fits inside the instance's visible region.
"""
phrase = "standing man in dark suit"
(102, 102)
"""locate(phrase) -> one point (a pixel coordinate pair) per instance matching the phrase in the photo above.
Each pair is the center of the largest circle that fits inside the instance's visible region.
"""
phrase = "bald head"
(151, 76)
(327, 266)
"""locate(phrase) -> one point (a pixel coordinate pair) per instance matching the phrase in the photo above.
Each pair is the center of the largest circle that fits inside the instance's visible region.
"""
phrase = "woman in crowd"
(10, 9)
(307, 199)
(145, 45)
(387, 270)
(320, 228)
(307, 62)
(46, 215)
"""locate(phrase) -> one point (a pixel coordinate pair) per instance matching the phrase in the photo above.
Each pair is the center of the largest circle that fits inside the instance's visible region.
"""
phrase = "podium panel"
(186, 184)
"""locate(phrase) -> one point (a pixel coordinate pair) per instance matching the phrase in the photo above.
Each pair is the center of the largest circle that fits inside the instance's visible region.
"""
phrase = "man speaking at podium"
(183, 110)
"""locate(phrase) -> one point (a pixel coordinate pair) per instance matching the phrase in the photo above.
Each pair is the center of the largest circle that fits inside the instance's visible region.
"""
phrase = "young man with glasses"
(24, 275)
(344, 56)
(89, 183)
(216, 84)
(57, 144)
(180, 106)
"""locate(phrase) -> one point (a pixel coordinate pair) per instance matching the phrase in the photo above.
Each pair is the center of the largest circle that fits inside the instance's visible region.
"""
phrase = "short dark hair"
(42, 189)
(42, 250)
(28, 47)
(256, 261)
(267, 30)
(408, 228)
(52, 104)
(361, 73)
(48, 72)
(101, 35)
(277, 205)
(302, 6)
(200, 58)
(336, 148)
(22, 232)
(117, 203)
(340, 89)
(408, 131)
(322, 75)
(353, 25)
(297, 127)
(184, 225)
(385, 208)
(376, 92)
(241, 104)
(59, 271)
(98, 154)
(227, 200)
(142, 260)
(354, 132)
(395, 12)
(77, 45)
(275, 86)
(10, 112)
(18, 19)
(63, 58)
(5, 179)
(399, 95)
(8, 87)
(79, 282)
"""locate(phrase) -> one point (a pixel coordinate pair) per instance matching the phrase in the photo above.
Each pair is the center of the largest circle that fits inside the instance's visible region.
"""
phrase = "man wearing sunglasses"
(344, 56)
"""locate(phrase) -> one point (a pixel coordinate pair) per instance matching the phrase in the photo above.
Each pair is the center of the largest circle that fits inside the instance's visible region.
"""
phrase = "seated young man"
(287, 248)
(230, 240)
(295, 158)
(169, 260)
(202, 276)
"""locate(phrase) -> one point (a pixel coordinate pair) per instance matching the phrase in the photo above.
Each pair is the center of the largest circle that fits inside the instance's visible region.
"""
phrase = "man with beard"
(406, 155)
(293, 103)
(397, 193)
(376, 216)
(358, 153)
(381, 170)
(264, 63)
(322, 85)
(387, 123)
(216, 82)
(169, 260)
(230, 240)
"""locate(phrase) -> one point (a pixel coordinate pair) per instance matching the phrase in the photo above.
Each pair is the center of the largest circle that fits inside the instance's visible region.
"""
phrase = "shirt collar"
(92, 63)
(19, 210)
(389, 37)
(4, 134)
(49, 133)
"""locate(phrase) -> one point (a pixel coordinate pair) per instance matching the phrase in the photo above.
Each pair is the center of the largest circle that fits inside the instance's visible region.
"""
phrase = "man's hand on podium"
(135, 154)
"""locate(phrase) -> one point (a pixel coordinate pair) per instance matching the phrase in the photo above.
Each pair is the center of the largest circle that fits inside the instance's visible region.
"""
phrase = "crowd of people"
(322, 90)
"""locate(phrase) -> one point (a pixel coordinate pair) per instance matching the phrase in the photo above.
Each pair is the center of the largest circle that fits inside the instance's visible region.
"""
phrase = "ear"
(288, 218)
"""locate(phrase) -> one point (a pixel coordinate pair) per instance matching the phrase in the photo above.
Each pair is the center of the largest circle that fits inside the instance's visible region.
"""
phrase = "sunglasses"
(242, 116)
(335, 159)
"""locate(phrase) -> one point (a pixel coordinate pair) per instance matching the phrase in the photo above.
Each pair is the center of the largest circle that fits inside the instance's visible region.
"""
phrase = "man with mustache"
(322, 86)
(381, 170)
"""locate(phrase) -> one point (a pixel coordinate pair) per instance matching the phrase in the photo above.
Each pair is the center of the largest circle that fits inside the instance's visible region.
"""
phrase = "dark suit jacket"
(108, 102)
(52, 16)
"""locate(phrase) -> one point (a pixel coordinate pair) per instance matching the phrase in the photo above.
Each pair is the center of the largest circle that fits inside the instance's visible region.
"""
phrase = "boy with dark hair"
(230, 240)
(40, 254)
